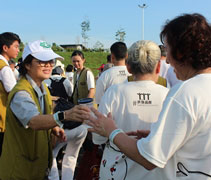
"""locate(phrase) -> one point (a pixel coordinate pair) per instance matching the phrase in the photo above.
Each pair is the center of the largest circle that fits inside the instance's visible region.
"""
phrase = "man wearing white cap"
(27, 148)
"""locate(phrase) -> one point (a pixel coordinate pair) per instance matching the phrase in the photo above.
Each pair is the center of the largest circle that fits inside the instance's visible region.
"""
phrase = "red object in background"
(101, 67)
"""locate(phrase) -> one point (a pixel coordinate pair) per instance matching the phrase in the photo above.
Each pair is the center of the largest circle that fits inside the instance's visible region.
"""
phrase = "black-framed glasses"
(45, 63)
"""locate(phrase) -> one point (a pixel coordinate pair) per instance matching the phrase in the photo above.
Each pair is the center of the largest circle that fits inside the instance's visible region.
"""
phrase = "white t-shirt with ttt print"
(114, 75)
(133, 105)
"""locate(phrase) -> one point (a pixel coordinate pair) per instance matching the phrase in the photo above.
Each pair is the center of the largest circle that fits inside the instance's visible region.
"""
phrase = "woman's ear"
(27, 66)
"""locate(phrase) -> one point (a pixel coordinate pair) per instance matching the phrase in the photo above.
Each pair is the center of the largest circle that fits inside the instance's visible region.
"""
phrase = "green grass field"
(93, 59)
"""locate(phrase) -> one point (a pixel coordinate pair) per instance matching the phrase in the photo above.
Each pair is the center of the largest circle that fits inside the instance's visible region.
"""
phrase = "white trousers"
(75, 139)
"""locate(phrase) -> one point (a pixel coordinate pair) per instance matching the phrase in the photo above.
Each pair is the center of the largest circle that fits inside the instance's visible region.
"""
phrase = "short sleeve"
(24, 107)
(100, 89)
(90, 80)
(8, 78)
(68, 87)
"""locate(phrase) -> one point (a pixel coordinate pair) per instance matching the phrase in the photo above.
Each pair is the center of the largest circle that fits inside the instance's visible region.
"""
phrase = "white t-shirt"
(133, 105)
(7, 76)
(171, 77)
(163, 68)
(182, 133)
(16, 74)
(114, 75)
(69, 76)
(90, 80)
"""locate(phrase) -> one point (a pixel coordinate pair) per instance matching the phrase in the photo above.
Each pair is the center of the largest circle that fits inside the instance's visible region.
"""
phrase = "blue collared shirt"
(23, 106)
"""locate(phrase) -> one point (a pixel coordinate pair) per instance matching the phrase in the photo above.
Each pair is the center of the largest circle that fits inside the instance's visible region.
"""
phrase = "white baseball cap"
(41, 50)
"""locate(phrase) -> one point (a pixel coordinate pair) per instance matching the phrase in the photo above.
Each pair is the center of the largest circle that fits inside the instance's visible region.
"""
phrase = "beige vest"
(81, 89)
(3, 101)
(26, 153)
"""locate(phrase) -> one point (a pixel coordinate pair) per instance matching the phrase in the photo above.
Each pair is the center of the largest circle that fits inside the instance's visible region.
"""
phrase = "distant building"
(73, 46)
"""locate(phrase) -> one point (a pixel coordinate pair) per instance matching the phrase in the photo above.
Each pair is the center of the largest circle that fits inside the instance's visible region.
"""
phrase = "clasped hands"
(99, 123)
(103, 125)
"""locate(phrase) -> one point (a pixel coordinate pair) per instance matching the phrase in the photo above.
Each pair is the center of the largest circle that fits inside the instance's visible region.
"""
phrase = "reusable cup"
(86, 102)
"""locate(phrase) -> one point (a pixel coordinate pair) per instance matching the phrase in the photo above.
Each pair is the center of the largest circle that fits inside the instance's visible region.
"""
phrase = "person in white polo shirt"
(163, 65)
(114, 75)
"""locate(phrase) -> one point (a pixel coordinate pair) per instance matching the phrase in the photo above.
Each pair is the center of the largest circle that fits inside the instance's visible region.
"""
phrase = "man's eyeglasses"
(45, 63)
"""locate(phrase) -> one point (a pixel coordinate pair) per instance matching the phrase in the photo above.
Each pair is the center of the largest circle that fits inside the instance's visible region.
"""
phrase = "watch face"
(61, 116)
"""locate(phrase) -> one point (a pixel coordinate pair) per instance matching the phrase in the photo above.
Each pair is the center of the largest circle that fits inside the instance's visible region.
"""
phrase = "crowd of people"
(152, 118)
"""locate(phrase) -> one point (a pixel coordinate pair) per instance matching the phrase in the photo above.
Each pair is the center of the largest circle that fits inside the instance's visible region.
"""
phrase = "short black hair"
(69, 68)
(108, 58)
(20, 60)
(119, 50)
(22, 69)
(78, 53)
(7, 38)
(162, 50)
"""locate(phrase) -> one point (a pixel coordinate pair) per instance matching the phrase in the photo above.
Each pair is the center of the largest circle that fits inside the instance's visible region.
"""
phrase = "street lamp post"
(143, 6)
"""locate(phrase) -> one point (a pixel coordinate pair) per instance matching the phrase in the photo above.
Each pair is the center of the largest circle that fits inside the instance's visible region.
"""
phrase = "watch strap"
(57, 120)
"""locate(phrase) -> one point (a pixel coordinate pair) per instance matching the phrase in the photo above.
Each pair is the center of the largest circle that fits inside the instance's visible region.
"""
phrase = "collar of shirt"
(4, 59)
(40, 93)
(35, 87)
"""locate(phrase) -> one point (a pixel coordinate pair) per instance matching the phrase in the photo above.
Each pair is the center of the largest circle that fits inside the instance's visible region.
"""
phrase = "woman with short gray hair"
(143, 57)
(133, 105)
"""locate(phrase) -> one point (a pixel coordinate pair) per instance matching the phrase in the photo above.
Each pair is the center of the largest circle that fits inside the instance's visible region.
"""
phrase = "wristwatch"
(61, 116)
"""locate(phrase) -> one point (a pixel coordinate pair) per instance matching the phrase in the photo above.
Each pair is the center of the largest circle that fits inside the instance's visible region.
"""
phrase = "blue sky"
(60, 21)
